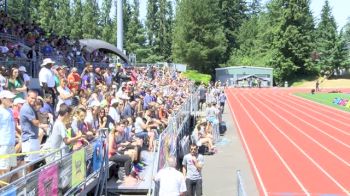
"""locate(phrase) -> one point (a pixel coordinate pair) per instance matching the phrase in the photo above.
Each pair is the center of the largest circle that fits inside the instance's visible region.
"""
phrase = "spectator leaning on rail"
(59, 137)
(30, 128)
(172, 182)
(8, 132)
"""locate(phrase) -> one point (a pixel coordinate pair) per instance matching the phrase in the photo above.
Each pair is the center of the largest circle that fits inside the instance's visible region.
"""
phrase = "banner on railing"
(59, 176)
(78, 167)
(48, 181)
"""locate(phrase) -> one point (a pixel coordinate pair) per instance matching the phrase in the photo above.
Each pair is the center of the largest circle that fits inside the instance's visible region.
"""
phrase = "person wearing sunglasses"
(192, 165)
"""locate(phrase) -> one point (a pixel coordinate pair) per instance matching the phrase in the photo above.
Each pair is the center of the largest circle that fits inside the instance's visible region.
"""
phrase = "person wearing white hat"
(23, 71)
(8, 132)
(47, 78)
(16, 107)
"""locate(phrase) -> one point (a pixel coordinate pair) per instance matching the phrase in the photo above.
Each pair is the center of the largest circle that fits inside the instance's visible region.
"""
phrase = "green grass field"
(326, 98)
(198, 77)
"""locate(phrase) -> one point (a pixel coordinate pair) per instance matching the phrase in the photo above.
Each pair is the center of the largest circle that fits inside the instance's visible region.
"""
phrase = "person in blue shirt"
(30, 128)
(222, 100)
(8, 133)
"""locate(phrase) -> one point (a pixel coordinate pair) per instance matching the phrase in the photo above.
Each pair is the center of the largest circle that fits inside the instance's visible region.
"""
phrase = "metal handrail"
(25, 166)
(154, 169)
(13, 38)
(240, 184)
(186, 106)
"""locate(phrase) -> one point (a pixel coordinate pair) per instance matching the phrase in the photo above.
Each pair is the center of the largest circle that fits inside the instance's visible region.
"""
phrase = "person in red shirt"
(74, 80)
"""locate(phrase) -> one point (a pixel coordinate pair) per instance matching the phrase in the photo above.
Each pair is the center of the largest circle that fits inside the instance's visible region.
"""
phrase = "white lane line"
(274, 149)
(313, 126)
(301, 131)
(323, 107)
(246, 145)
(312, 117)
(304, 153)
(317, 112)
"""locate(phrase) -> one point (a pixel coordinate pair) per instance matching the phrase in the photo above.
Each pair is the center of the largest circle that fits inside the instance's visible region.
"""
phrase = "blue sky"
(340, 8)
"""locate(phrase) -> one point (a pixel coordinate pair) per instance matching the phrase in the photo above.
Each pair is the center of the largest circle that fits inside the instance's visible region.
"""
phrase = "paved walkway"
(219, 172)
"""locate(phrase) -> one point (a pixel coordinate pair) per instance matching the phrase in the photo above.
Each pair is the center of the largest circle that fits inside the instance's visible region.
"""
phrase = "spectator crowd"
(75, 102)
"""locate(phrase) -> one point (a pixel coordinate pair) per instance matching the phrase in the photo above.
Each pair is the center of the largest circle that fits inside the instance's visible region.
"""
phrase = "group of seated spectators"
(27, 41)
(133, 104)
(206, 130)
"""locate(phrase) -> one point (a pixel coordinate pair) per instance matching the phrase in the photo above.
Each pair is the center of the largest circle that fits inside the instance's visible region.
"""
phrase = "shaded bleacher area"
(121, 123)
(27, 44)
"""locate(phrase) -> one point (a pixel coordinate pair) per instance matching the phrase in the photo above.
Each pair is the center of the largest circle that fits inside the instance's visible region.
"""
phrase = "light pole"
(120, 24)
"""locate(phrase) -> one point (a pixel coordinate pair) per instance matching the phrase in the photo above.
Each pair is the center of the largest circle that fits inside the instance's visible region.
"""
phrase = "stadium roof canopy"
(95, 44)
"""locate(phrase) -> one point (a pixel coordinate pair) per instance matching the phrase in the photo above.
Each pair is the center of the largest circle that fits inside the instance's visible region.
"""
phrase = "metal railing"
(64, 174)
(178, 125)
(12, 38)
(240, 184)
(31, 66)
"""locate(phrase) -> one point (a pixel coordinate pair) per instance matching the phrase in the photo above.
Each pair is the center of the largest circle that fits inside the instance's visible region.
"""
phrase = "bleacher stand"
(146, 114)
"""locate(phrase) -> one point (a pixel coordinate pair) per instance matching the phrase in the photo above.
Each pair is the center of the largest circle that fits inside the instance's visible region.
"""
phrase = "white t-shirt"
(114, 114)
(138, 125)
(26, 77)
(66, 92)
(172, 182)
(47, 76)
(4, 49)
(57, 136)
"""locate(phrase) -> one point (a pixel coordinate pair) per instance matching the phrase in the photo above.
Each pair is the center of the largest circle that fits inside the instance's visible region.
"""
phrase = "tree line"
(206, 34)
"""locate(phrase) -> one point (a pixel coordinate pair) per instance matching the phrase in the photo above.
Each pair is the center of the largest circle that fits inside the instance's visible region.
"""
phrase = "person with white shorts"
(8, 133)
(30, 128)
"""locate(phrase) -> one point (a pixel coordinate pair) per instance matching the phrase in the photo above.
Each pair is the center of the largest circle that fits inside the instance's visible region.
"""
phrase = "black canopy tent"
(95, 44)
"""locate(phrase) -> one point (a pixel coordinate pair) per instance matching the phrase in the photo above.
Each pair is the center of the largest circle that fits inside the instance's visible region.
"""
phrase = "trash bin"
(285, 84)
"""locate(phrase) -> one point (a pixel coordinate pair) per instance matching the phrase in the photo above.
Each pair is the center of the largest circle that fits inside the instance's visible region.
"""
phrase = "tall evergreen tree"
(90, 19)
(135, 36)
(255, 7)
(16, 9)
(46, 15)
(34, 10)
(292, 41)
(76, 19)
(199, 40)
(329, 44)
(108, 25)
(251, 49)
(233, 14)
(126, 17)
(346, 32)
(159, 29)
(164, 34)
(345, 35)
(63, 13)
(105, 11)
(151, 22)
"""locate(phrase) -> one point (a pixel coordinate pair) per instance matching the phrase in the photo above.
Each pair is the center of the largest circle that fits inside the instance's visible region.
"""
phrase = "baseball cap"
(7, 94)
(22, 68)
(18, 100)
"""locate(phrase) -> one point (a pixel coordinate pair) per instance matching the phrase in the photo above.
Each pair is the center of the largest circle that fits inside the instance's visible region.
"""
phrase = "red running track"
(294, 146)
